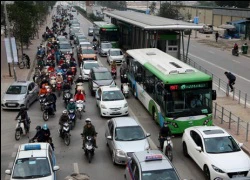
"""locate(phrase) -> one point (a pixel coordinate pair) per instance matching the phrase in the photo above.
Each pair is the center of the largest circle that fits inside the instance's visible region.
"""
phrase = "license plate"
(11, 104)
(238, 175)
(116, 112)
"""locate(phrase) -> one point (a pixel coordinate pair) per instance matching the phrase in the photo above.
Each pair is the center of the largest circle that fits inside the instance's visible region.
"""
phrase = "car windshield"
(129, 133)
(81, 37)
(65, 46)
(116, 53)
(90, 65)
(217, 145)
(103, 76)
(17, 90)
(106, 46)
(83, 40)
(112, 95)
(88, 51)
(91, 28)
(160, 174)
(30, 168)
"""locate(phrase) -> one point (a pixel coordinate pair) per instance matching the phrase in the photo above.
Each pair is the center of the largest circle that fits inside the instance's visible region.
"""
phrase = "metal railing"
(241, 96)
(234, 122)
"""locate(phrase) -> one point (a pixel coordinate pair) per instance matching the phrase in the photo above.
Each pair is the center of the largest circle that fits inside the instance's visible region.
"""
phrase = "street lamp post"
(8, 29)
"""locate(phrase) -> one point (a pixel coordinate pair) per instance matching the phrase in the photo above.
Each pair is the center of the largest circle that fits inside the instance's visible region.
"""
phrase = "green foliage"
(238, 4)
(118, 5)
(152, 7)
(168, 10)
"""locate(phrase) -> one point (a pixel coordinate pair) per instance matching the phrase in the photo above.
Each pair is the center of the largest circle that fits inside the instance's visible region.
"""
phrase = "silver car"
(65, 47)
(104, 48)
(20, 94)
(124, 136)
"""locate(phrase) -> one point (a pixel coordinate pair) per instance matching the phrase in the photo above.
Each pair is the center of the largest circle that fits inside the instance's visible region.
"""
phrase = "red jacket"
(79, 97)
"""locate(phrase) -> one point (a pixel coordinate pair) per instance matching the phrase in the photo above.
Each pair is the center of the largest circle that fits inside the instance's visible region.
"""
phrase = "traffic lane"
(240, 84)
(185, 166)
(240, 65)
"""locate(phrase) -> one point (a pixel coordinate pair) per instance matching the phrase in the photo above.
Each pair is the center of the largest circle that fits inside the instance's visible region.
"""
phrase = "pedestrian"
(231, 79)
(216, 36)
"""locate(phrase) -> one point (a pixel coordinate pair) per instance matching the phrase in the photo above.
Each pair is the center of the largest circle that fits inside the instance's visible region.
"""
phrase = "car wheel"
(184, 148)
(206, 172)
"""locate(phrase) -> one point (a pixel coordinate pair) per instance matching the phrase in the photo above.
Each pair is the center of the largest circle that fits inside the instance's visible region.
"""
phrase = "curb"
(246, 150)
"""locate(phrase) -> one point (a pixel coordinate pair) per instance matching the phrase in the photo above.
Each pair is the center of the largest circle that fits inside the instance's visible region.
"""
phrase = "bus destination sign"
(188, 86)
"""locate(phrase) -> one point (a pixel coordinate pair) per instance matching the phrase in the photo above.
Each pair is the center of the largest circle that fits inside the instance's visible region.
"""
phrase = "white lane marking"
(218, 66)
(76, 169)
(211, 52)
(235, 61)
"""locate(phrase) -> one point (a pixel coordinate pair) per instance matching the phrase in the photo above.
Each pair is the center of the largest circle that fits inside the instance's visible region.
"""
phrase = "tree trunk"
(21, 47)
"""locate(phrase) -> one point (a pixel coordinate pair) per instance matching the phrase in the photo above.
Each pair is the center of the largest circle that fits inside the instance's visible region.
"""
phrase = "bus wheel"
(134, 92)
(154, 114)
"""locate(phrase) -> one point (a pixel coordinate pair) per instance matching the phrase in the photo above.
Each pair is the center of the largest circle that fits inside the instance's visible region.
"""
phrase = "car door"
(98, 97)
(31, 92)
(111, 133)
(196, 140)
(90, 79)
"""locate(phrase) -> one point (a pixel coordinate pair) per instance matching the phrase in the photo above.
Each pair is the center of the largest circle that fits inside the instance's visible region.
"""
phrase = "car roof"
(164, 163)
(125, 121)
(90, 61)
(21, 83)
(84, 42)
(211, 131)
(115, 49)
(23, 153)
(100, 69)
(109, 88)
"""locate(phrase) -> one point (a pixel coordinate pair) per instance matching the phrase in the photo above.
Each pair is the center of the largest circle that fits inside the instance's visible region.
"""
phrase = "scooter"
(53, 83)
(65, 133)
(80, 107)
(89, 148)
(48, 110)
(125, 89)
(42, 99)
(124, 78)
(113, 73)
(20, 130)
(72, 118)
(235, 52)
(168, 148)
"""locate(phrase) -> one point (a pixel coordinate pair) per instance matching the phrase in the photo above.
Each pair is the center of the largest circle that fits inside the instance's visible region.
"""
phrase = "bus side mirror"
(214, 95)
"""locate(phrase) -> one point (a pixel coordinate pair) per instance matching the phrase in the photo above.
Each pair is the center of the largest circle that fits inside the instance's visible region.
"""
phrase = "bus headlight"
(175, 125)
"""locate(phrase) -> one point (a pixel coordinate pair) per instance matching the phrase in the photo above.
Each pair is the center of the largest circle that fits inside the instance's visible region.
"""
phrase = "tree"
(152, 7)
(169, 11)
(238, 4)
(119, 5)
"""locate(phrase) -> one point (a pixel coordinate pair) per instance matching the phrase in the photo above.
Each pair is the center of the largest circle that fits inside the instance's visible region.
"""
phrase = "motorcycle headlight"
(126, 105)
(103, 106)
(119, 152)
(217, 169)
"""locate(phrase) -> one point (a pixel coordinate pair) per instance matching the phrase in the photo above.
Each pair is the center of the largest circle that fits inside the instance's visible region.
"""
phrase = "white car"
(116, 55)
(216, 152)
(34, 161)
(86, 66)
(111, 102)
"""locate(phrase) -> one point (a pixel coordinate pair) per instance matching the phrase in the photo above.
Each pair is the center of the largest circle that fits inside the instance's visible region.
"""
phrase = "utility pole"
(8, 28)
(196, 17)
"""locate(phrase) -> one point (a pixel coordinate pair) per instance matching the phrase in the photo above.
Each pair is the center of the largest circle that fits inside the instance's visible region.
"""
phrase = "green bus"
(170, 90)
(104, 31)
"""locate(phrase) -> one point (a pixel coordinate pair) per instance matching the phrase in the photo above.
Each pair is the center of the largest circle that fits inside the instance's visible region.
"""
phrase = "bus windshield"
(189, 102)
(109, 35)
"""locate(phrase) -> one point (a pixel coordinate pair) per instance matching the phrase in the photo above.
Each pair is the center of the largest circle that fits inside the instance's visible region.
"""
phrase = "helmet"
(22, 108)
(45, 127)
(59, 67)
(88, 120)
(38, 128)
(64, 112)
(71, 100)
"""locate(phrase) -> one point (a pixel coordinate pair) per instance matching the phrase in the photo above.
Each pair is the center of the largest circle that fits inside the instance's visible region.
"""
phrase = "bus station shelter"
(139, 30)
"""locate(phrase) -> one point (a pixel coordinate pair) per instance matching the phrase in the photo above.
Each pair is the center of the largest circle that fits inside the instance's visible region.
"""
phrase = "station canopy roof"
(150, 22)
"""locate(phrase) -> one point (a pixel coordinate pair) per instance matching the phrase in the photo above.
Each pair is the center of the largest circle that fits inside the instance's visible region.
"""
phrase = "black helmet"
(38, 128)
(22, 108)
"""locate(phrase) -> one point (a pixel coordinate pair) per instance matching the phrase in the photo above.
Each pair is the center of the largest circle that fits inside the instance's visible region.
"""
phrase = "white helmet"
(88, 120)
(64, 112)
(71, 100)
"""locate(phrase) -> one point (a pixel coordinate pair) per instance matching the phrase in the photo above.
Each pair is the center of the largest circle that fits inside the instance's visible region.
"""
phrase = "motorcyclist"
(59, 70)
(236, 47)
(164, 132)
(45, 132)
(64, 118)
(66, 86)
(72, 57)
(51, 98)
(43, 90)
(59, 77)
(89, 130)
(65, 66)
(24, 116)
(36, 74)
(71, 105)
(80, 96)
(44, 81)
(38, 135)
(113, 65)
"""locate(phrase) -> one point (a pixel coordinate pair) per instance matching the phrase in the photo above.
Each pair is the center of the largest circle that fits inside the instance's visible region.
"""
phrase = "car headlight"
(103, 106)
(126, 105)
(217, 169)
(119, 152)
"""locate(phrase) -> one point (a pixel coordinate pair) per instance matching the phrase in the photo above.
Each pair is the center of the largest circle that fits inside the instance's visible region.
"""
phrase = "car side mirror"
(214, 95)
(7, 171)
(240, 145)
(56, 168)
(148, 134)
(198, 148)
(109, 137)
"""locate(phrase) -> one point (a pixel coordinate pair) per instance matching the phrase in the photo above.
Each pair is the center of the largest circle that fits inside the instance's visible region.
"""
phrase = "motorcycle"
(42, 98)
(70, 79)
(59, 88)
(20, 130)
(125, 89)
(67, 96)
(235, 52)
(124, 78)
(95, 45)
(72, 118)
(48, 110)
(53, 83)
(80, 106)
(89, 148)
(79, 86)
(168, 148)
(113, 73)
(65, 133)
